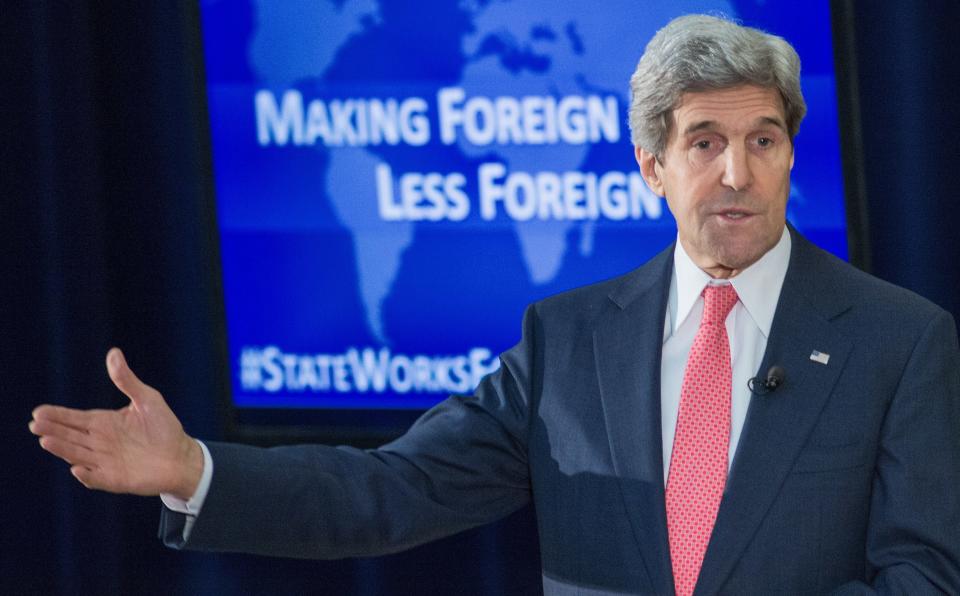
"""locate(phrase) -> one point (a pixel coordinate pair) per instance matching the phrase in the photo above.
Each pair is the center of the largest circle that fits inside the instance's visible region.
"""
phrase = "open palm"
(140, 449)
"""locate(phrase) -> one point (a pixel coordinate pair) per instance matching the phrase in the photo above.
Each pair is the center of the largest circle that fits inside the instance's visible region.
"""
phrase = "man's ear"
(649, 169)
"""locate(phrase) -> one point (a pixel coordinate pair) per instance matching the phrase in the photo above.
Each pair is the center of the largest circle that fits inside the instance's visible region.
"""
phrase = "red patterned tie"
(698, 466)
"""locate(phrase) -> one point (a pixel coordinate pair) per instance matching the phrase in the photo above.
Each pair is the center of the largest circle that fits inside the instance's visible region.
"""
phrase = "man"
(625, 412)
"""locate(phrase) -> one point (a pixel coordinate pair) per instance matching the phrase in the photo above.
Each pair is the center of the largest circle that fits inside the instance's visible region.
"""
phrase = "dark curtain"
(104, 244)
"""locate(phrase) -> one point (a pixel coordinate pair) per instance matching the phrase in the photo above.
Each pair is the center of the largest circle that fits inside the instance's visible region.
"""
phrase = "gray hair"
(701, 53)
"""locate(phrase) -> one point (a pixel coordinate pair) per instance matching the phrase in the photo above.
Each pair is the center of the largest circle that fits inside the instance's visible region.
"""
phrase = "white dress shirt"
(748, 327)
(191, 508)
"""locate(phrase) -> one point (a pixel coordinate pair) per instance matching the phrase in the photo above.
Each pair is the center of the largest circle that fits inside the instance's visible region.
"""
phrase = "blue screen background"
(310, 269)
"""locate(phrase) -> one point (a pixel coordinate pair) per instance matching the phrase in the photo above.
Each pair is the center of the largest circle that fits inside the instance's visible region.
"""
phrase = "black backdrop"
(103, 244)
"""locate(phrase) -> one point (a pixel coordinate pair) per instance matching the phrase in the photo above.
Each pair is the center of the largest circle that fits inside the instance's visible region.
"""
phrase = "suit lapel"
(778, 424)
(627, 343)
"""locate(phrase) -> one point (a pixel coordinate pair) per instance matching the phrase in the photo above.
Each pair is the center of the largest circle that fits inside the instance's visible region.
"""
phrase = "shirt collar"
(758, 286)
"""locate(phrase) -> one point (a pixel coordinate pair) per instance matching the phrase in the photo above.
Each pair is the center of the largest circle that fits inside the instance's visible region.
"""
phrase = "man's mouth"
(734, 215)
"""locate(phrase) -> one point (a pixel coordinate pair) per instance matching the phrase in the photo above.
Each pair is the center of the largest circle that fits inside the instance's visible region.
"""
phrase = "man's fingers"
(84, 438)
(84, 475)
(90, 428)
(78, 419)
(92, 478)
(101, 478)
(69, 452)
(124, 379)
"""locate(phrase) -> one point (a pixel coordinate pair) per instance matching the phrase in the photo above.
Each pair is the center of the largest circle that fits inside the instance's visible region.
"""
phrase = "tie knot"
(717, 303)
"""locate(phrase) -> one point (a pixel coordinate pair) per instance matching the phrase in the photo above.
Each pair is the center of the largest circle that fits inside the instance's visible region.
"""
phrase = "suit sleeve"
(462, 464)
(913, 541)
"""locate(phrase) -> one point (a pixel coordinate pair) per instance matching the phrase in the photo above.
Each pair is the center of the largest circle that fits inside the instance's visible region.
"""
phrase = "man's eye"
(702, 145)
(765, 141)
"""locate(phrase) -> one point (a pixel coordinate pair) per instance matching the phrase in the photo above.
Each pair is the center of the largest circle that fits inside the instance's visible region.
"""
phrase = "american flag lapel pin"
(821, 357)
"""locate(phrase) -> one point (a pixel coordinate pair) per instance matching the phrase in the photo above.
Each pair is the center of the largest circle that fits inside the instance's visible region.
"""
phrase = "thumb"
(124, 379)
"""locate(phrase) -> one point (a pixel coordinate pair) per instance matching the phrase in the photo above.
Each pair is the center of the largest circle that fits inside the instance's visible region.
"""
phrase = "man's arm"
(463, 463)
(913, 541)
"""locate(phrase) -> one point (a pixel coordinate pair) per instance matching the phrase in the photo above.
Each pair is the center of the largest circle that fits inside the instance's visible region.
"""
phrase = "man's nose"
(737, 173)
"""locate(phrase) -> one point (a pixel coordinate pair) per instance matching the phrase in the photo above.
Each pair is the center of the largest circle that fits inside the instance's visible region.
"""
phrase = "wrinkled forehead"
(733, 109)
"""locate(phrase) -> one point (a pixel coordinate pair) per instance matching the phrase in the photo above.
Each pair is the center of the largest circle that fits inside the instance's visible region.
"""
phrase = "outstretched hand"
(140, 449)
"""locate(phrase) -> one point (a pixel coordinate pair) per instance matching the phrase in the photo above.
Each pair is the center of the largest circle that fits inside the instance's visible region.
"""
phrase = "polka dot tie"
(698, 466)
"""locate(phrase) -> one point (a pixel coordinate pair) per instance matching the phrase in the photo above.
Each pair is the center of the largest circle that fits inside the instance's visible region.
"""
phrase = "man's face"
(726, 175)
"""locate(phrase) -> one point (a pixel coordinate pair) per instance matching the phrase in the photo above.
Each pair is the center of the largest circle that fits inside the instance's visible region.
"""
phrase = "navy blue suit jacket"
(846, 478)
